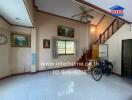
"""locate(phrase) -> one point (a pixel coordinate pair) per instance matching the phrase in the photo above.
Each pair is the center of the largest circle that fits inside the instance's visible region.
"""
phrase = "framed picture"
(3, 39)
(20, 40)
(65, 31)
(46, 43)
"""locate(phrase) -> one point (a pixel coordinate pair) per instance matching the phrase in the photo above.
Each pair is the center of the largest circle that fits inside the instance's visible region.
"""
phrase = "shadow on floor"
(128, 80)
(130, 98)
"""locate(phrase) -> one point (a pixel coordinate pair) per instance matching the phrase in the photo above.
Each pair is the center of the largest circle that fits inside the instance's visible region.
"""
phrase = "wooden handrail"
(108, 29)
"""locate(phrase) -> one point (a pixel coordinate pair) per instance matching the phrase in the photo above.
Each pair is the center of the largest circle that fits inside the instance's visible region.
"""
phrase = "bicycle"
(97, 68)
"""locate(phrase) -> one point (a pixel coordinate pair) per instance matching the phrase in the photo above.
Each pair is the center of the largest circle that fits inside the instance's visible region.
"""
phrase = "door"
(103, 51)
(95, 51)
(99, 51)
(127, 58)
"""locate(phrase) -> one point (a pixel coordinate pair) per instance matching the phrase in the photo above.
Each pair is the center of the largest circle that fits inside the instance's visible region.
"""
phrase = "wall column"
(33, 51)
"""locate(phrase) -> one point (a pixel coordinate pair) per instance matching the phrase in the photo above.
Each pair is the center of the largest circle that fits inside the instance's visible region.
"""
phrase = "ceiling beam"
(26, 6)
(101, 20)
(41, 11)
(13, 24)
(5, 20)
(16, 24)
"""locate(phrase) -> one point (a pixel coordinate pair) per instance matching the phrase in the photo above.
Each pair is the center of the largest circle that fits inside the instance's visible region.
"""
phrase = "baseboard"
(55, 69)
(18, 74)
(2, 78)
(116, 74)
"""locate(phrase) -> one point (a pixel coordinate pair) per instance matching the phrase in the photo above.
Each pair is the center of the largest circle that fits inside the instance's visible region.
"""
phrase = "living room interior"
(42, 42)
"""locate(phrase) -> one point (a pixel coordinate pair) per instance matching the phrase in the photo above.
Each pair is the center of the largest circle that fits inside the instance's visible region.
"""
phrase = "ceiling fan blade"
(83, 9)
(89, 11)
(90, 16)
(76, 15)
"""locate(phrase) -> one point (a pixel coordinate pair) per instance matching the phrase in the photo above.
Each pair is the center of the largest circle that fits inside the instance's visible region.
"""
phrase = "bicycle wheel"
(97, 74)
(109, 69)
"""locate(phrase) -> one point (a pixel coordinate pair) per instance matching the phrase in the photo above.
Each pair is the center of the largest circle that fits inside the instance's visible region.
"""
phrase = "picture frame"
(20, 40)
(46, 43)
(3, 39)
(65, 31)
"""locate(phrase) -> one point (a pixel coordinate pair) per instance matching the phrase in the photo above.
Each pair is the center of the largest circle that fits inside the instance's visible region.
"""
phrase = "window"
(65, 47)
(61, 47)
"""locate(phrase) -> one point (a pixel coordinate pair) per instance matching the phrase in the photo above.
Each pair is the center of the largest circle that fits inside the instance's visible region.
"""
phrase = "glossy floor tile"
(65, 86)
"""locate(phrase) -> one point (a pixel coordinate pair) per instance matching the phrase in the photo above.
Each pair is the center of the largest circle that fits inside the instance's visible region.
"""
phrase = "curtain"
(54, 48)
(75, 48)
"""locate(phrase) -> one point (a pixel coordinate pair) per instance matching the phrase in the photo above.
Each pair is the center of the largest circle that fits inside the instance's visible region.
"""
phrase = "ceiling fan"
(84, 15)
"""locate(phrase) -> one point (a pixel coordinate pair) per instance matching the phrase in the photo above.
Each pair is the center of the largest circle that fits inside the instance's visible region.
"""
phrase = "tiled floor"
(78, 86)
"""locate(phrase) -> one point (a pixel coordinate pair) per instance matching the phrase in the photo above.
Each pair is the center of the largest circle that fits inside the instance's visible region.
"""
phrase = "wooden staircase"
(113, 27)
(81, 63)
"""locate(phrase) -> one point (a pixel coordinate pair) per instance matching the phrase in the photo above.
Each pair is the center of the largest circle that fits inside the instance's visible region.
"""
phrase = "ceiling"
(106, 4)
(15, 12)
(64, 8)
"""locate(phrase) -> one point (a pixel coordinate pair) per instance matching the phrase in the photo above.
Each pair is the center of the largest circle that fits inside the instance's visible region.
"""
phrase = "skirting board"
(18, 74)
(116, 74)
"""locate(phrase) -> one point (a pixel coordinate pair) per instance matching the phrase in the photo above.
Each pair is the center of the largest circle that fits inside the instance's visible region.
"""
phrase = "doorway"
(127, 58)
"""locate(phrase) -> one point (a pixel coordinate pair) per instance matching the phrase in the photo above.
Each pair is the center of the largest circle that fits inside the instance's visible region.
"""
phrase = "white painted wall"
(115, 46)
(13, 59)
(5, 50)
(5, 55)
(47, 28)
(33, 51)
(21, 56)
(4, 24)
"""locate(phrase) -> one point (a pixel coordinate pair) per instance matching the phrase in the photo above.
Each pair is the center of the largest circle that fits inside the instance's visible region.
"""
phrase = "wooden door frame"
(122, 67)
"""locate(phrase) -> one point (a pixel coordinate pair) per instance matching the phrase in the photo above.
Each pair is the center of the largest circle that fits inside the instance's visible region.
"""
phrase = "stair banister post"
(112, 28)
(108, 32)
(100, 36)
(117, 24)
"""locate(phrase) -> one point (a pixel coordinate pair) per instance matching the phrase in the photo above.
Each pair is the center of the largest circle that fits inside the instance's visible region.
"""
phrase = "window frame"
(65, 47)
